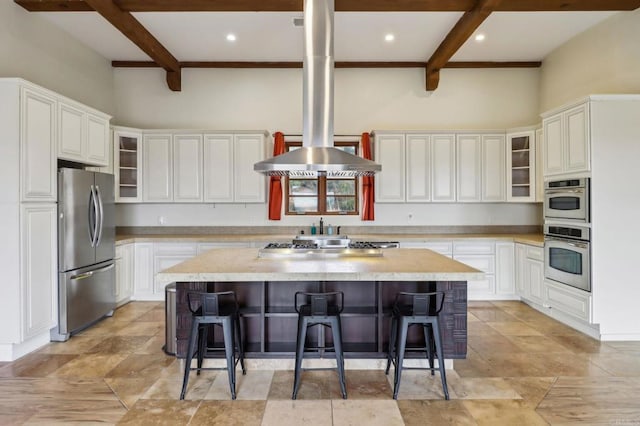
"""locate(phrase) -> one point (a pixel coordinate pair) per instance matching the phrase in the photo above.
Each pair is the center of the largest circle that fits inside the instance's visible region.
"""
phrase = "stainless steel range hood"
(317, 156)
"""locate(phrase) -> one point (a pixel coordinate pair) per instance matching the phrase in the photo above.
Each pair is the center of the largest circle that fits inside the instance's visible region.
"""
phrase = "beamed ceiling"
(430, 34)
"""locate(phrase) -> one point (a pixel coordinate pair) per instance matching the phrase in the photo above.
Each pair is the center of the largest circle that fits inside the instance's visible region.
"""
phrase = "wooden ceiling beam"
(138, 34)
(340, 5)
(458, 35)
(339, 64)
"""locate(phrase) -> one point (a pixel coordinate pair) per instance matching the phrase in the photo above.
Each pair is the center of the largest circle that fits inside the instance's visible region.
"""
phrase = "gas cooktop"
(312, 249)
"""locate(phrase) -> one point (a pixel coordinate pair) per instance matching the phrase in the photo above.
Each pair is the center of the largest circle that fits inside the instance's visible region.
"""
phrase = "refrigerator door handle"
(96, 216)
(100, 222)
(90, 273)
(90, 212)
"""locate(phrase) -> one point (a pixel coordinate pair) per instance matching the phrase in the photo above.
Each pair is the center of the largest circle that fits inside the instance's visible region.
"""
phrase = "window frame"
(322, 187)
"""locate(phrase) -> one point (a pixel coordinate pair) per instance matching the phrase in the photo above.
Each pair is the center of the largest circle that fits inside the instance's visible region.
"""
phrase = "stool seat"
(416, 309)
(319, 309)
(218, 309)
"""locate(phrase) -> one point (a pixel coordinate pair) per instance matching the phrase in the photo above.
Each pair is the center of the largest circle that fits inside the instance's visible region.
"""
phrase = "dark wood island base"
(269, 320)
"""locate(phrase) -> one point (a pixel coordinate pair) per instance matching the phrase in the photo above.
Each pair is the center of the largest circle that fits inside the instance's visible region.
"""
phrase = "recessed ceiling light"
(231, 37)
(480, 37)
(389, 37)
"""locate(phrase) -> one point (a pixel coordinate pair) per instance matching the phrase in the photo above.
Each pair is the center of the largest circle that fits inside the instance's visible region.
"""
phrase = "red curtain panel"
(367, 181)
(275, 182)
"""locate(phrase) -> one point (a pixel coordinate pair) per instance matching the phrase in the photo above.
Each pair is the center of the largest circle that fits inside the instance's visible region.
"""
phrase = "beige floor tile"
(75, 345)
(105, 327)
(19, 390)
(533, 344)
(491, 313)
(138, 365)
(90, 366)
(118, 345)
(480, 388)
(420, 384)
(366, 412)
(513, 328)
(297, 413)
(313, 385)
(220, 389)
(171, 387)
(225, 413)
(541, 365)
(129, 391)
(621, 364)
(36, 365)
(366, 384)
(581, 343)
(487, 344)
(624, 346)
(66, 412)
(531, 389)
(160, 412)
(436, 413)
(141, 328)
(154, 345)
(133, 311)
(473, 366)
(503, 412)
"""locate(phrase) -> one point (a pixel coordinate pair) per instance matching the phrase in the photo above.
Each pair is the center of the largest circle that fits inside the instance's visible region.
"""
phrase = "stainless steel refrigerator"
(86, 250)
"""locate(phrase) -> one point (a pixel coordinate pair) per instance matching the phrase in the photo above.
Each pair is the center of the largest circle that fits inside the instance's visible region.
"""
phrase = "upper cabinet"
(127, 164)
(218, 168)
(83, 134)
(480, 167)
(187, 168)
(521, 170)
(248, 185)
(416, 167)
(566, 148)
(157, 168)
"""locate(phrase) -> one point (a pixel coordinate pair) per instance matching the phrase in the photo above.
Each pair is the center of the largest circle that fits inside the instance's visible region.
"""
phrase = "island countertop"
(243, 264)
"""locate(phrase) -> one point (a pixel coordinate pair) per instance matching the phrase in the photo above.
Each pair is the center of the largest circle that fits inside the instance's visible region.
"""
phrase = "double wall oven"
(567, 233)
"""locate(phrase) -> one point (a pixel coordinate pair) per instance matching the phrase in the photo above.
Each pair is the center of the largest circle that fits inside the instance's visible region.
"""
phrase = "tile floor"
(522, 369)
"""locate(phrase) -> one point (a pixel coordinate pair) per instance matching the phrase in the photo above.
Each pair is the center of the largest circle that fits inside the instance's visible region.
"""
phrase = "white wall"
(36, 50)
(603, 59)
(365, 99)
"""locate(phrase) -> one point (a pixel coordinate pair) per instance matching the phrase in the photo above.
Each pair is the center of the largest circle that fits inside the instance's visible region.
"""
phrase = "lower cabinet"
(124, 273)
(568, 300)
(530, 273)
(166, 255)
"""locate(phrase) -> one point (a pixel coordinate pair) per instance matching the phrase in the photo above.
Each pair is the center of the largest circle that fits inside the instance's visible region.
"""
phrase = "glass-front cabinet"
(127, 166)
(521, 172)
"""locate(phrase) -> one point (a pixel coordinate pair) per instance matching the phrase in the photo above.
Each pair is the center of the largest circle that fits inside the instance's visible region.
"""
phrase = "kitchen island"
(265, 289)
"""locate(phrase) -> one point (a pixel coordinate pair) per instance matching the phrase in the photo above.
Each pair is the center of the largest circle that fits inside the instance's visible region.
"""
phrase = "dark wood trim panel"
(222, 64)
(458, 35)
(341, 5)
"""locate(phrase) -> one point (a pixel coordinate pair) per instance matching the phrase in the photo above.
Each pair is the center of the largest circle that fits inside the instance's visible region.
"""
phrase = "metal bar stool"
(219, 309)
(319, 309)
(416, 309)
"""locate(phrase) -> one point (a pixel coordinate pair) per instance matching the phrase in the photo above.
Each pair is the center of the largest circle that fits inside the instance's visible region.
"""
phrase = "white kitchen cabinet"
(521, 166)
(127, 164)
(520, 256)
(468, 167)
(157, 168)
(479, 255)
(125, 271)
(568, 300)
(248, 185)
(143, 271)
(218, 168)
(493, 168)
(443, 168)
(390, 182)
(505, 270)
(166, 255)
(530, 273)
(203, 247)
(538, 165)
(187, 168)
(567, 141)
(418, 168)
(38, 246)
(83, 134)
(444, 248)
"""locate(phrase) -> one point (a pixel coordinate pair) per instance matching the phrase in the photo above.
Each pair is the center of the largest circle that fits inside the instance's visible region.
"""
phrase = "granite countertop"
(532, 239)
(243, 264)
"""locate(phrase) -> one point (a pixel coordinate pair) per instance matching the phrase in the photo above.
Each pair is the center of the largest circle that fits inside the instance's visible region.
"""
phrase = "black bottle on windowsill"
(321, 230)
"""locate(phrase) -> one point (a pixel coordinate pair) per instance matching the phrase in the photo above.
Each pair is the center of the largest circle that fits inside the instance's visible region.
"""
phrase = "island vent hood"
(318, 156)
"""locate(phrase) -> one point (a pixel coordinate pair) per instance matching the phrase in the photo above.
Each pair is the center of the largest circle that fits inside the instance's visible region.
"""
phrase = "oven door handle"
(565, 191)
(577, 245)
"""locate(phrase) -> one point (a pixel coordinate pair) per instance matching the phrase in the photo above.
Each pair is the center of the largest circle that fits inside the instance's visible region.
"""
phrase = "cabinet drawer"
(175, 249)
(469, 247)
(486, 264)
(568, 300)
(482, 289)
(535, 253)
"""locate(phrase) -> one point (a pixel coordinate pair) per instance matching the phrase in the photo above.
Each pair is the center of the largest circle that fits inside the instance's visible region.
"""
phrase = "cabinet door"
(38, 240)
(71, 132)
(538, 166)
(390, 182)
(127, 165)
(157, 169)
(469, 168)
(218, 168)
(418, 174)
(577, 139)
(38, 147)
(535, 280)
(143, 271)
(505, 271)
(521, 178)
(97, 140)
(120, 273)
(443, 168)
(187, 168)
(493, 168)
(553, 149)
(248, 185)
(520, 258)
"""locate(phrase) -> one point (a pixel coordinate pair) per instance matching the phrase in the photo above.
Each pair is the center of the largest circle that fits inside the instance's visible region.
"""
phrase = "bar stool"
(220, 309)
(319, 309)
(416, 309)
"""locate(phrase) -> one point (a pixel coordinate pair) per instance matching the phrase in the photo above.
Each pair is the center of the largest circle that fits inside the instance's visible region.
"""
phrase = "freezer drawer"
(84, 296)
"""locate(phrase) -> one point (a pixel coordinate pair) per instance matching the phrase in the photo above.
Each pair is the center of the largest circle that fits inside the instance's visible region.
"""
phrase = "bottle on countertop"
(329, 229)
(313, 228)
(321, 227)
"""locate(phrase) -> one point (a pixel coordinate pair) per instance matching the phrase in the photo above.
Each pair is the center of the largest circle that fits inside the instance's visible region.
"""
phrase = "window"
(322, 195)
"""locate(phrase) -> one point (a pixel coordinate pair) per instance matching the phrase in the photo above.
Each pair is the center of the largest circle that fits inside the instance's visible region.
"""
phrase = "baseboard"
(13, 351)
(623, 337)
